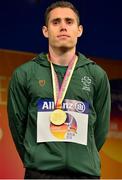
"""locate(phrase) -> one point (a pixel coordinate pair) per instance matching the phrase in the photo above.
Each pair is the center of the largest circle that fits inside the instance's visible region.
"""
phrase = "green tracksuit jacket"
(32, 82)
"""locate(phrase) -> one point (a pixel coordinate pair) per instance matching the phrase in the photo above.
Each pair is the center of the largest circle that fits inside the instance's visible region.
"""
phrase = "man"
(59, 104)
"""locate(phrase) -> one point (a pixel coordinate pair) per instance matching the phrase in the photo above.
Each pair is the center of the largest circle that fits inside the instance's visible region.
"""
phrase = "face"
(62, 30)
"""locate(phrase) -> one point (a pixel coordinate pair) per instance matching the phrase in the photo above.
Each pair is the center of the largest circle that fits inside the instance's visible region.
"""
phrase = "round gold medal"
(58, 117)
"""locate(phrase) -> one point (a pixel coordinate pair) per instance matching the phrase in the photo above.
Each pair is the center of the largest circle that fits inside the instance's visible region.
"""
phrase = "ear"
(80, 30)
(45, 31)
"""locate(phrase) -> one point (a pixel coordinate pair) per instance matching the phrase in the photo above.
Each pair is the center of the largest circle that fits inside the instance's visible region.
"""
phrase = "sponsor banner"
(9, 60)
(75, 127)
(112, 150)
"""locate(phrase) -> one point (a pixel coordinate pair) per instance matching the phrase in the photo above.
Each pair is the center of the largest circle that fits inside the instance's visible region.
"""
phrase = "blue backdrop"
(21, 21)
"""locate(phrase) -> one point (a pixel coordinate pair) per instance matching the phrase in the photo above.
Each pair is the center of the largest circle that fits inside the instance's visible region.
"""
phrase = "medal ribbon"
(59, 93)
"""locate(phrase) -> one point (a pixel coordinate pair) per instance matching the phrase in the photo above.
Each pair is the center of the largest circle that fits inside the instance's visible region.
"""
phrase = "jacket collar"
(42, 60)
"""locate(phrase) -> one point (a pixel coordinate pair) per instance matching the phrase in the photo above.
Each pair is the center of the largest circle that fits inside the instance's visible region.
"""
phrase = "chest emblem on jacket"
(42, 83)
(86, 82)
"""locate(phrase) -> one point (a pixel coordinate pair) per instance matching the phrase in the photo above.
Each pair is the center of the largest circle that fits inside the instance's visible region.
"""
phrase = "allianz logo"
(70, 106)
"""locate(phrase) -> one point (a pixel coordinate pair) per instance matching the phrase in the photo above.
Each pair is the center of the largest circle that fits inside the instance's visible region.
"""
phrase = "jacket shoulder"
(97, 71)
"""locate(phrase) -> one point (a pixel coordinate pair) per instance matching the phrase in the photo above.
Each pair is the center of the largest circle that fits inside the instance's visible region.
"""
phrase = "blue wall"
(21, 21)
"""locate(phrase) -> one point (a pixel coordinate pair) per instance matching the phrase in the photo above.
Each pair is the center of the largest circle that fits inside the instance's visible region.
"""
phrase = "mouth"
(63, 36)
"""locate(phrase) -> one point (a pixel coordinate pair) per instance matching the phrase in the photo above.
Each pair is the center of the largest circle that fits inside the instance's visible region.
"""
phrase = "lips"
(63, 36)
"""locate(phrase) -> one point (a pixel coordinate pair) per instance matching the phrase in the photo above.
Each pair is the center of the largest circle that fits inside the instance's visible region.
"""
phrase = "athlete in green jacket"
(59, 104)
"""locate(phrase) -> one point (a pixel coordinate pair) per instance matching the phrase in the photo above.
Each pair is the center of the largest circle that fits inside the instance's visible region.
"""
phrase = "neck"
(61, 57)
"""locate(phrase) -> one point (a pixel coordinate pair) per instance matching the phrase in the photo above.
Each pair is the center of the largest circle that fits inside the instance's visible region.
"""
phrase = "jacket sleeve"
(17, 107)
(102, 104)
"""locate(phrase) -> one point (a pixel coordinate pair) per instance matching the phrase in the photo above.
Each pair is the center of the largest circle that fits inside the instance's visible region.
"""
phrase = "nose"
(63, 26)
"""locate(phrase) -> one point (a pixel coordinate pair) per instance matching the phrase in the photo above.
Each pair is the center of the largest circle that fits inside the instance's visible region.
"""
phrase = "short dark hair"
(62, 4)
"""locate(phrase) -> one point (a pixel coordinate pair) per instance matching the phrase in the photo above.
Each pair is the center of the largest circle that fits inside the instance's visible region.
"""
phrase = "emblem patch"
(42, 83)
(86, 81)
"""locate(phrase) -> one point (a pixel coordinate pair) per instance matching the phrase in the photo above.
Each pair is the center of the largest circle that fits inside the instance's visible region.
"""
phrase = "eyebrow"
(69, 19)
(58, 19)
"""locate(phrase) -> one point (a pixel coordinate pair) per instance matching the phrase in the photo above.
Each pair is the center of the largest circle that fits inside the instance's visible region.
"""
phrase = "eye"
(69, 21)
(55, 22)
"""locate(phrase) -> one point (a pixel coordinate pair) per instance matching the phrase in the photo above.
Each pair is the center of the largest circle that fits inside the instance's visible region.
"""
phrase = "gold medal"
(58, 117)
